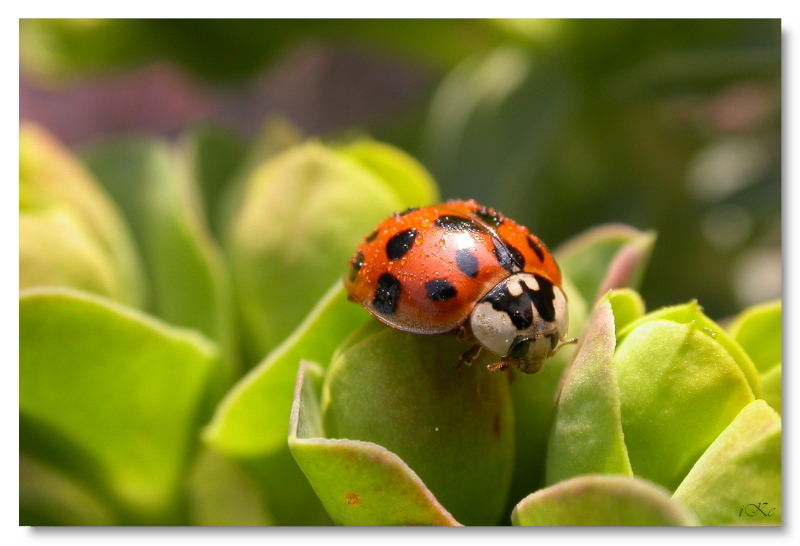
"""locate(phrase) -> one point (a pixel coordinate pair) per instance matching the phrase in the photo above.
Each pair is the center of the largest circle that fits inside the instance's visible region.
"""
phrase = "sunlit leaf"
(692, 313)
(738, 478)
(758, 331)
(679, 389)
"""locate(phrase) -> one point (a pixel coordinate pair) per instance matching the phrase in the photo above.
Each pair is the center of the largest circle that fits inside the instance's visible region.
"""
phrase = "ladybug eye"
(519, 348)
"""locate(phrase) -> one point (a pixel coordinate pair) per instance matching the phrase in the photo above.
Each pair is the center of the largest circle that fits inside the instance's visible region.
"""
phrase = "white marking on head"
(531, 282)
(493, 329)
(515, 289)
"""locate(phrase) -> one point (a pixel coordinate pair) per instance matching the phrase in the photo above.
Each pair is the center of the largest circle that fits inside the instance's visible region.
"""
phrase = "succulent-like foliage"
(188, 356)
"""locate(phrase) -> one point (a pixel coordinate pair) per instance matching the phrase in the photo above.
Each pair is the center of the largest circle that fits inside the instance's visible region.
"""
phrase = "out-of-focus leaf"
(215, 157)
(402, 174)
(758, 331)
(491, 124)
(602, 500)
(738, 478)
(59, 49)
(452, 426)
(301, 217)
(771, 387)
(50, 177)
(152, 183)
(534, 404)
(360, 483)
(586, 437)
(679, 389)
(47, 496)
(222, 493)
(55, 49)
(251, 423)
(56, 248)
(627, 305)
(692, 313)
(276, 135)
(112, 395)
(254, 416)
(605, 257)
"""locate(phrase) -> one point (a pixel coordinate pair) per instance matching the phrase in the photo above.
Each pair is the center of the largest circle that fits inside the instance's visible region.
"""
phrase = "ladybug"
(462, 268)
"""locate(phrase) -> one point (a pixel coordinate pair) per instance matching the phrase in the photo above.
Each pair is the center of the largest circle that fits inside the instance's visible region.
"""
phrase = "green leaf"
(495, 117)
(359, 483)
(152, 183)
(302, 215)
(627, 305)
(586, 437)
(679, 389)
(251, 423)
(51, 178)
(692, 313)
(758, 331)
(605, 257)
(738, 479)
(253, 418)
(452, 426)
(772, 388)
(215, 156)
(222, 493)
(48, 496)
(56, 248)
(534, 405)
(594, 500)
(275, 136)
(399, 171)
(112, 395)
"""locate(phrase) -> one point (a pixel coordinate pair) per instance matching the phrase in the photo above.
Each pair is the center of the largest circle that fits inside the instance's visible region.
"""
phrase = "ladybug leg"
(469, 355)
(497, 366)
(465, 335)
(572, 341)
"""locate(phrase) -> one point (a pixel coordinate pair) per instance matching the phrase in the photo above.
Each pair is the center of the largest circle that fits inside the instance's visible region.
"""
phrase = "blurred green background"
(671, 125)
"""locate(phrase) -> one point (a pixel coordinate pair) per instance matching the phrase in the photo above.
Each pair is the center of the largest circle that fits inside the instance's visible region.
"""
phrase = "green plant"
(188, 356)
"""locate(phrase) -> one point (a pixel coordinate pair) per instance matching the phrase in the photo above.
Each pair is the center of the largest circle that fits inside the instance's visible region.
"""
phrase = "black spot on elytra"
(450, 222)
(371, 237)
(356, 264)
(387, 294)
(489, 216)
(440, 290)
(508, 257)
(400, 243)
(404, 212)
(536, 247)
(518, 308)
(467, 262)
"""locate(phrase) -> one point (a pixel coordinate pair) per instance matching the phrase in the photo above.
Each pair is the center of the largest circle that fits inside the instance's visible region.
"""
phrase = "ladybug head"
(522, 319)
